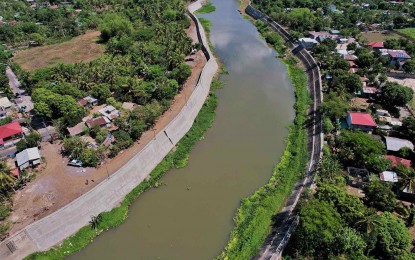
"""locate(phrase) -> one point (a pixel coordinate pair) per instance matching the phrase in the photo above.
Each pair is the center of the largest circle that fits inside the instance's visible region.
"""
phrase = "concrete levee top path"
(54, 228)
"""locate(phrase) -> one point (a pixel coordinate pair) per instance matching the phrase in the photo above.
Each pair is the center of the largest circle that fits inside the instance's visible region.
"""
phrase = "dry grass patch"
(377, 36)
(83, 48)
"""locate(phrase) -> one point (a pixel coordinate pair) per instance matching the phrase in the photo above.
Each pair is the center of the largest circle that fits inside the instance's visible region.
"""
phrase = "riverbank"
(175, 159)
(54, 228)
(254, 217)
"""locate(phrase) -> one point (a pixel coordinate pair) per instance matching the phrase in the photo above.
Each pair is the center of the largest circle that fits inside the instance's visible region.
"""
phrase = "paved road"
(13, 81)
(287, 219)
(23, 101)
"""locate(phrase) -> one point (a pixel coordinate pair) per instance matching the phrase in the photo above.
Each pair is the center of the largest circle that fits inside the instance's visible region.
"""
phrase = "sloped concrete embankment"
(51, 230)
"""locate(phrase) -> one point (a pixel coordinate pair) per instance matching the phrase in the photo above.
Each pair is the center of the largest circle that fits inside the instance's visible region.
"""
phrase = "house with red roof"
(397, 160)
(376, 45)
(360, 120)
(10, 133)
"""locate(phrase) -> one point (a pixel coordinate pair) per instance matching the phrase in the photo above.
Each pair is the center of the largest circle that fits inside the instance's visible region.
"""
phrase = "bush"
(4, 211)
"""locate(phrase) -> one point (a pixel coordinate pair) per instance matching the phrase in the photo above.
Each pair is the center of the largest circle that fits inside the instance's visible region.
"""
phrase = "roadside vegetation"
(254, 216)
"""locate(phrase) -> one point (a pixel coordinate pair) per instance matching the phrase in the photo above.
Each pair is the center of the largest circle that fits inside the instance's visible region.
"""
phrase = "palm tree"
(7, 180)
(368, 223)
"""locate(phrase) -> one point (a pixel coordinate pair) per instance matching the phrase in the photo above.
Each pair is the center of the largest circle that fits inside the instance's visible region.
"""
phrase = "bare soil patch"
(58, 184)
(83, 48)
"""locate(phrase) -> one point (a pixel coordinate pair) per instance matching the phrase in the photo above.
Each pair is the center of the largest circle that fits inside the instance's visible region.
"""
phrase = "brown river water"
(191, 216)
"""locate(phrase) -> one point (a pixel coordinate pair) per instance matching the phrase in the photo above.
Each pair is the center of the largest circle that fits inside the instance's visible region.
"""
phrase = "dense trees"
(394, 94)
(360, 149)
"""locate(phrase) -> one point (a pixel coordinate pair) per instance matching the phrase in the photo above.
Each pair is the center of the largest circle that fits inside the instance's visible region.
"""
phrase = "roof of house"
(99, 121)
(54, 7)
(360, 118)
(375, 44)
(5, 102)
(350, 57)
(87, 100)
(398, 54)
(308, 40)
(396, 160)
(352, 63)
(317, 34)
(370, 90)
(110, 112)
(77, 129)
(27, 155)
(10, 129)
(395, 144)
(388, 176)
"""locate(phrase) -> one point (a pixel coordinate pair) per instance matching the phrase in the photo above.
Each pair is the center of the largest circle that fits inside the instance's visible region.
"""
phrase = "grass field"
(378, 36)
(410, 32)
(83, 48)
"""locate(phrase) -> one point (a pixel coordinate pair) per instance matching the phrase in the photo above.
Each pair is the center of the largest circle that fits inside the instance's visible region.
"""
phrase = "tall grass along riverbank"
(254, 217)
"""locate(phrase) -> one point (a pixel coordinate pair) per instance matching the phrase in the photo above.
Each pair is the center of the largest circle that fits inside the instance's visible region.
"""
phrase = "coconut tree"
(7, 181)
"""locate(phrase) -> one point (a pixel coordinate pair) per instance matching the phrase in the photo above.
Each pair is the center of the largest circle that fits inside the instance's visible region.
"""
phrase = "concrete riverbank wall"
(54, 228)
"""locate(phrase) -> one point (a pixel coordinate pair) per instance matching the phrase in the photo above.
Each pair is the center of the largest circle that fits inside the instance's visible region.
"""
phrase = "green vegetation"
(115, 217)
(410, 32)
(206, 8)
(253, 219)
(205, 23)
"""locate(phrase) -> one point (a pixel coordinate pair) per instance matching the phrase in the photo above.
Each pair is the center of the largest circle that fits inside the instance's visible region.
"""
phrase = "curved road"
(287, 219)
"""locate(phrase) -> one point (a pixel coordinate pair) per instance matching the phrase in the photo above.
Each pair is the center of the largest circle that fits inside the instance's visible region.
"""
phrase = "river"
(191, 216)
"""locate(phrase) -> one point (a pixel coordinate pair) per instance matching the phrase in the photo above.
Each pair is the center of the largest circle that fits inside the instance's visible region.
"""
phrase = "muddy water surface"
(191, 217)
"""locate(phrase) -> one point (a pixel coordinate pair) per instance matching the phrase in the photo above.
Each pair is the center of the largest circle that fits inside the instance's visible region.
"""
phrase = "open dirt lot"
(83, 48)
(377, 36)
(58, 184)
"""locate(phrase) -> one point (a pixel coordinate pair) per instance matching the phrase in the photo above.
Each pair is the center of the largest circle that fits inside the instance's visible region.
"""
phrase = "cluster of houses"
(34, 4)
(12, 133)
(100, 116)
(365, 122)
(397, 58)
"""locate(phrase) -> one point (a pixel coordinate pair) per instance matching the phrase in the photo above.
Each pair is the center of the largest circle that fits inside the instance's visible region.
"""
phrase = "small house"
(395, 144)
(376, 45)
(360, 120)
(88, 101)
(398, 160)
(100, 121)
(382, 112)
(29, 157)
(396, 57)
(5, 102)
(10, 133)
(388, 176)
(110, 112)
(308, 43)
(77, 129)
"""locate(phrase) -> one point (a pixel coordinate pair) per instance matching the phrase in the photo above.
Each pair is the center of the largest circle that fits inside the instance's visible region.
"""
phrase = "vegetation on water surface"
(253, 219)
(115, 217)
(206, 8)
